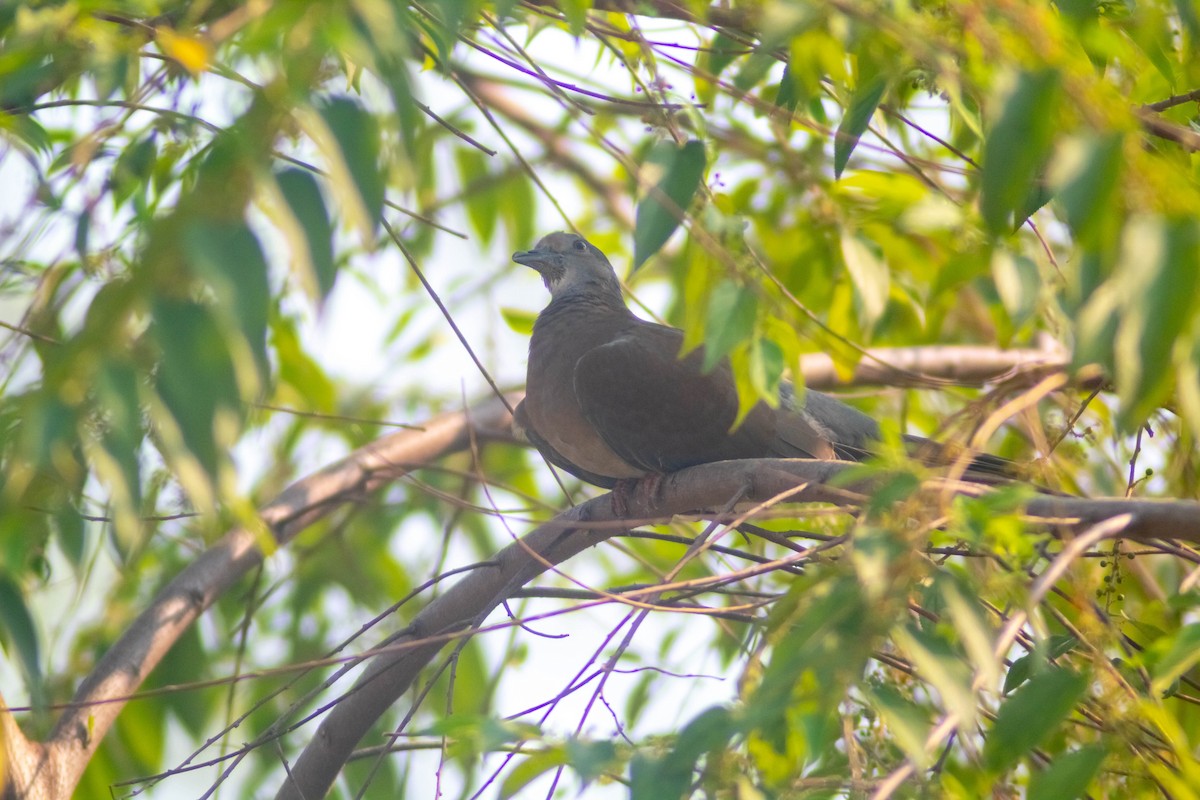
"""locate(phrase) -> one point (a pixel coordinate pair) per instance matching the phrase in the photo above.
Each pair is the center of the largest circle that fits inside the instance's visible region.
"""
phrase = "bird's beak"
(537, 259)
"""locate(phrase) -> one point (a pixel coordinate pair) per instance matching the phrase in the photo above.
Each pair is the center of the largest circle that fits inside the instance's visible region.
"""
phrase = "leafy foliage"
(204, 190)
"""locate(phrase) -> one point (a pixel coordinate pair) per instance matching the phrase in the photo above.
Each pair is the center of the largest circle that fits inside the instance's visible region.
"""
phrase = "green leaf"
(755, 69)
(870, 276)
(298, 370)
(26, 82)
(483, 201)
(519, 202)
(669, 776)
(1086, 178)
(303, 196)
(117, 398)
(1182, 655)
(185, 663)
(228, 257)
(1158, 282)
(20, 635)
(357, 136)
(766, 368)
(821, 640)
(1031, 713)
(1190, 16)
(662, 208)
(1051, 648)
(906, 721)
(83, 229)
(1188, 383)
(786, 96)
(518, 319)
(732, 309)
(865, 100)
(710, 729)
(970, 625)
(944, 668)
(1097, 328)
(590, 759)
(1017, 146)
(576, 13)
(1068, 775)
(1017, 282)
(721, 52)
(194, 354)
(131, 173)
(530, 769)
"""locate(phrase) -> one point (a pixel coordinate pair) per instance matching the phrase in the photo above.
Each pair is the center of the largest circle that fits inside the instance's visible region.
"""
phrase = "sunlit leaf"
(483, 202)
(518, 320)
(192, 52)
(298, 369)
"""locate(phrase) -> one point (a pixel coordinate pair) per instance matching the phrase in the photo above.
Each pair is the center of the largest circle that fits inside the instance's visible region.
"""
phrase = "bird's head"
(569, 264)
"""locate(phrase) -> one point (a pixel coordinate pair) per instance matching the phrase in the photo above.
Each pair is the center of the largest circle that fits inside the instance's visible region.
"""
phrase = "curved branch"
(23, 759)
(392, 672)
(103, 694)
(964, 364)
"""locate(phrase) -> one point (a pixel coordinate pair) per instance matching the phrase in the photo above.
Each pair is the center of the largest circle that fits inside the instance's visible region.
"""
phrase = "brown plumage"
(608, 397)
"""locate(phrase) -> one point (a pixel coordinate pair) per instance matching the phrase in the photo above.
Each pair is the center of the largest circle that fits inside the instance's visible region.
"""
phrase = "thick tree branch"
(904, 366)
(469, 601)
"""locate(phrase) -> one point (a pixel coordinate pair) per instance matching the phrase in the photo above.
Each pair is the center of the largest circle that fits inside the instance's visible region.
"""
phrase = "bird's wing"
(662, 413)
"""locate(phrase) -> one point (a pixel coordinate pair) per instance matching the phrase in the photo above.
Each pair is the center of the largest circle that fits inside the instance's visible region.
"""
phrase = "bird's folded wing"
(662, 413)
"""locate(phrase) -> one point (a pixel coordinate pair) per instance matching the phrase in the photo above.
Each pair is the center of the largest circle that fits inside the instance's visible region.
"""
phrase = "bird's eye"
(580, 245)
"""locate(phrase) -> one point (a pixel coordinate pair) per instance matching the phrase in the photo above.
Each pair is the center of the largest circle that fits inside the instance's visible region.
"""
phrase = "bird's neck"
(585, 300)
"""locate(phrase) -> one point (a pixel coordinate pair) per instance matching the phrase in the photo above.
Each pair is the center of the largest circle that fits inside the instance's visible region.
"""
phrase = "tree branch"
(964, 364)
(391, 673)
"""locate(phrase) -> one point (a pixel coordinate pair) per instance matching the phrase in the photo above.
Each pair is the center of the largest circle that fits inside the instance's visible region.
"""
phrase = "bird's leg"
(621, 492)
(644, 490)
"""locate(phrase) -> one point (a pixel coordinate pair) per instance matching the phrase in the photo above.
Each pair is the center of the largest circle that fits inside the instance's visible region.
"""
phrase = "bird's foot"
(642, 491)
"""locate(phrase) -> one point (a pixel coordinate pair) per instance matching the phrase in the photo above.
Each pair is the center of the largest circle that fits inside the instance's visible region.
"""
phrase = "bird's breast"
(552, 405)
